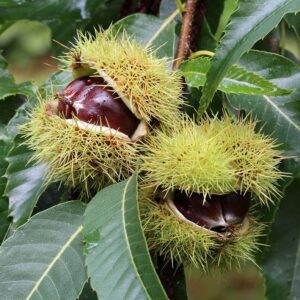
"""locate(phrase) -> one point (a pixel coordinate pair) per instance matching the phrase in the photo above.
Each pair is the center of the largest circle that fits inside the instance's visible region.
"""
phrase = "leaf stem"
(282, 37)
(180, 6)
(201, 53)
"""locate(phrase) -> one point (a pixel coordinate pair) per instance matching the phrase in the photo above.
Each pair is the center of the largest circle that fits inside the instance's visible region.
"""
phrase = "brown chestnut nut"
(217, 213)
(91, 101)
(235, 207)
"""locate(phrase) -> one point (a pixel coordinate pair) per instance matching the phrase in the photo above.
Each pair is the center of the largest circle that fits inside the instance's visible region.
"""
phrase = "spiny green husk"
(255, 156)
(75, 156)
(239, 248)
(216, 157)
(152, 91)
(184, 158)
(142, 81)
(183, 243)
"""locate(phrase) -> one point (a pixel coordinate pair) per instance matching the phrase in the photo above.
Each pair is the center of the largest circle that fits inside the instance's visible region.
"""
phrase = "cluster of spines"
(76, 156)
(133, 71)
(176, 240)
(256, 156)
(183, 243)
(216, 157)
(239, 248)
(185, 159)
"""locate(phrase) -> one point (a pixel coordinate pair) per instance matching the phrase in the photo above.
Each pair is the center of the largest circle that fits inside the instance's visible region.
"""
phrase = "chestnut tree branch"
(185, 34)
(191, 22)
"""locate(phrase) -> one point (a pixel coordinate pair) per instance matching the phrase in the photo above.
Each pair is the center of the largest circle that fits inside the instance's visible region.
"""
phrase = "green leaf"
(281, 265)
(229, 7)
(8, 87)
(152, 31)
(294, 21)
(7, 109)
(19, 118)
(4, 222)
(237, 80)
(166, 8)
(214, 12)
(104, 12)
(44, 258)
(78, 15)
(55, 14)
(25, 182)
(282, 114)
(118, 261)
(206, 38)
(25, 179)
(251, 22)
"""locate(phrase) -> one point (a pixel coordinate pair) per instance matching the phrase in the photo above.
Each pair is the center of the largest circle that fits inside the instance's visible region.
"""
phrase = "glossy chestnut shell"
(91, 101)
(217, 213)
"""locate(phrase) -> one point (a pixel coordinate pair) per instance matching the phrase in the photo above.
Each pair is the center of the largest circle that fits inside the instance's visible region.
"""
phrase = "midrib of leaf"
(290, 121)
(163, 26)
(55, 259)
(126, 237)
(211, 87)
(236, 78)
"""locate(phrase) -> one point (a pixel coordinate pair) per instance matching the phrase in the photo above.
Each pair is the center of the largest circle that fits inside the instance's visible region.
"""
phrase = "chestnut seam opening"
(173, 209)
(223, 232)
(113, 85)
(141, 129)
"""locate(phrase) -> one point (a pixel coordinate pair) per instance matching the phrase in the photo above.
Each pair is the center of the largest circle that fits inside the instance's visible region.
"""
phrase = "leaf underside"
(44, 258)
(116, 245)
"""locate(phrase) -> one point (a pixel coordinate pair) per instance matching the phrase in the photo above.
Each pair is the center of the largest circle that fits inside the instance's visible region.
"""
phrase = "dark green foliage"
(46, 246)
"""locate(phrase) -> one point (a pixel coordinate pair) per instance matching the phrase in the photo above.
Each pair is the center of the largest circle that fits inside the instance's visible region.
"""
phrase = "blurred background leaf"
(8, 86)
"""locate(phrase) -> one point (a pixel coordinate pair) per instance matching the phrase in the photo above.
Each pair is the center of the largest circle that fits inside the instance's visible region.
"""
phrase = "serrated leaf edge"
(268, 99)
(230, 77)
(207, 95)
